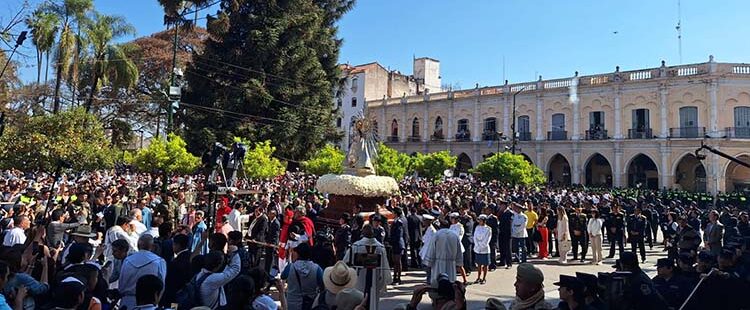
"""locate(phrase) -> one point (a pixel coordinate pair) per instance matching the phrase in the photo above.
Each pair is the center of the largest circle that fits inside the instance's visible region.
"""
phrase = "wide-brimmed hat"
(349, 298)
(84, 231)
(339, 277)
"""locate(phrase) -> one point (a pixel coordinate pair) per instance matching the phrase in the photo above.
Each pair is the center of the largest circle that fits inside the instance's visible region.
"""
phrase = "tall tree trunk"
(58, 83)
(38, 66)
(46, 69)
(94, 81)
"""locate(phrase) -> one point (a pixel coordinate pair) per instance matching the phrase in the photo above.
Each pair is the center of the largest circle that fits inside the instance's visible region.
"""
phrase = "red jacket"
(224, 209)
(306, 223)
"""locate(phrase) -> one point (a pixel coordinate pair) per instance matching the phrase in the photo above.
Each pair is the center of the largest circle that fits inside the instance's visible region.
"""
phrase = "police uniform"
(636, 229)
(578, 222)
(615, 232)
(642, 293)
(675, 290)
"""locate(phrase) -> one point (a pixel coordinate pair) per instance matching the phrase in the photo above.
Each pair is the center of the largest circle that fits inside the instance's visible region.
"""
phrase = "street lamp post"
(513, 125)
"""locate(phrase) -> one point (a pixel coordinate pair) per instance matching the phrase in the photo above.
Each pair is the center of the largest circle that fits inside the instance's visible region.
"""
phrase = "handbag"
(564, 245)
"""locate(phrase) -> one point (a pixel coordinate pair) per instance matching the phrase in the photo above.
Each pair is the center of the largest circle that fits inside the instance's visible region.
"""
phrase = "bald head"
(146, 242)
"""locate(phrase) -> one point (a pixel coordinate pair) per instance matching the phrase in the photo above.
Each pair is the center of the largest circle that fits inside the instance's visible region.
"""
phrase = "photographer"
(447, 295)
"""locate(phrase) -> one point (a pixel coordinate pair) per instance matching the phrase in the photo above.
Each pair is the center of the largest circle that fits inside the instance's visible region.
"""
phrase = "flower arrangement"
(350, 185)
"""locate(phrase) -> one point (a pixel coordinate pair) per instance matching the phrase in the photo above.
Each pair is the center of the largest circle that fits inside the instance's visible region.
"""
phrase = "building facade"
(622, 129)
(373, 81)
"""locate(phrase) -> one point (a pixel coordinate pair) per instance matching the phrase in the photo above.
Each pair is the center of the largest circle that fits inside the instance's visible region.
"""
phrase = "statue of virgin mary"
(362, 147)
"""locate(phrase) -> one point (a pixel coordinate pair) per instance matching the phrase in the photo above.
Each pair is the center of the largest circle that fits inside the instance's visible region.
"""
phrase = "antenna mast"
(679, 30)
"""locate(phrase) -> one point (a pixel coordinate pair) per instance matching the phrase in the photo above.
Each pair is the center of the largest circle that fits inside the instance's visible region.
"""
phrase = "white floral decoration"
(350, 185)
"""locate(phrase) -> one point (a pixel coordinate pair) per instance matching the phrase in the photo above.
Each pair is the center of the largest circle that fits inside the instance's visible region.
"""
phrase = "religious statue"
(362, 147)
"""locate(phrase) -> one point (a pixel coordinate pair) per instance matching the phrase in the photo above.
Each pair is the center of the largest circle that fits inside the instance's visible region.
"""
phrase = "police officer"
(672, 286)
(637, 227)
(640, 290)
(615, 230)
(579, 236)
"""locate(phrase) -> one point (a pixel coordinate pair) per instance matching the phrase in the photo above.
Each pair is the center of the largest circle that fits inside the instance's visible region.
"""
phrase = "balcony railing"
(489, 136)
(437, 137)
(597, 134)
(738, 132)
(524, 136)
(392, 139)
(640, 133)
(557, 135)
(687, 132)
(414, 138)
(463, 136)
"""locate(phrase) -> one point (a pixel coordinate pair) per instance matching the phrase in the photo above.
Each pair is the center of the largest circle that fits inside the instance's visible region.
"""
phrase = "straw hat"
(339, 277)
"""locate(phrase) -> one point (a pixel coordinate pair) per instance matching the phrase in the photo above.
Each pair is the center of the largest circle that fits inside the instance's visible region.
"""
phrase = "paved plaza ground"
(500, 282)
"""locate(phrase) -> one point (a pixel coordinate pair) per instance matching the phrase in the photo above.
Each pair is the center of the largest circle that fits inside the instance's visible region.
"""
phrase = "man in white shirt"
(236, 217)
(137, 221)
(518, 231)
(17, 235)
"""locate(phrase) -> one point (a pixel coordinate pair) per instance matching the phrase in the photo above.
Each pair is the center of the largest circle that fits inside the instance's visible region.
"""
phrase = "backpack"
(189, 296)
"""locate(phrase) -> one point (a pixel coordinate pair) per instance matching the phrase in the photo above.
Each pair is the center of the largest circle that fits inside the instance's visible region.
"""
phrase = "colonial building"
(373, 81)
(625, 128)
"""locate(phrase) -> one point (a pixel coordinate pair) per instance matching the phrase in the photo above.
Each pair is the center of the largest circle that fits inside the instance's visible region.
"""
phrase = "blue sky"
(542, 37)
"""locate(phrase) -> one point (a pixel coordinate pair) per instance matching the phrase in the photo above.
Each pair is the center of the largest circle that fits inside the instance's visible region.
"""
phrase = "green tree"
(392, 163)
(168, 156)
(41, 141)
(44, 26)
(510, 169)
(433, 165)
(110, 62)
(276, 61)
(71, 16)
(327, 160)
(259, 161)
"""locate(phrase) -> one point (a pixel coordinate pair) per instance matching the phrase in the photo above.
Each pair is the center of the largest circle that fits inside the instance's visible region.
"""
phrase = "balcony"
(597, 134)
(393, 139)
(687, 132)
(490, 136)
(463, 136)
(640, 133)
(557, 135)
(524, 135)
(438, 137)
(738, 132)
(414, 138)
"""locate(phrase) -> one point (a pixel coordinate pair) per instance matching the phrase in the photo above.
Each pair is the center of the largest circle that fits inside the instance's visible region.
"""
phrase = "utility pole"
(513, 125)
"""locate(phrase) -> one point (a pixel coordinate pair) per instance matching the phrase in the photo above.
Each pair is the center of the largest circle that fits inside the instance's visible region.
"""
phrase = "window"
(596, 120)
(558, 122)
(415, 127)
(463, 125)
(490, 125)
(742, 117)
(394, 128)
(688, 117)
(641, 119)
(354, 102)
(338, 122)
(524, 124)
(355, 81)
(339, 102)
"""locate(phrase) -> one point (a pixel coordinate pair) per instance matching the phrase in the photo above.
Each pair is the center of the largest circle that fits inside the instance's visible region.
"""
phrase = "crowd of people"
(106, 239)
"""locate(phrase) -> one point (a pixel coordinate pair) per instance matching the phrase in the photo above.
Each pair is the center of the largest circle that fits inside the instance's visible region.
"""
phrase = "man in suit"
(713, 234)
(272, 237)
(257, 232)
(179, 270)
(505, 225)
(397, 239)
(414, 227)
(493, 223)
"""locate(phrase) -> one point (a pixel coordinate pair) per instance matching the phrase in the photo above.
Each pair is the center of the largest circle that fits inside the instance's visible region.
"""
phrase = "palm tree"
(109, 60)
(71, 15)
(44, 26)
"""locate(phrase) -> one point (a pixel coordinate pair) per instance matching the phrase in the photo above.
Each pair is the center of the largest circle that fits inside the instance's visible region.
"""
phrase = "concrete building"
(373, 81)
(621, 129)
